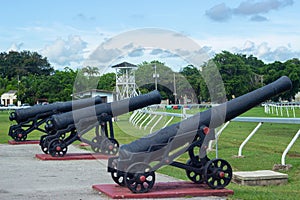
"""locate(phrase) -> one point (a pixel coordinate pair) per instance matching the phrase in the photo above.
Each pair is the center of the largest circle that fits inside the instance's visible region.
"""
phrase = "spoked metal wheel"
(110, 146)
(57, 148)
(195, 176)
(218, 173)
(139, 178)
(20, 135)
(44, 143)
(116, 175)
(96, 144)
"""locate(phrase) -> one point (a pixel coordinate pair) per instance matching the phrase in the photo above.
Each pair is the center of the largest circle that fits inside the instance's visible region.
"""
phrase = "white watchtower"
(125, 80)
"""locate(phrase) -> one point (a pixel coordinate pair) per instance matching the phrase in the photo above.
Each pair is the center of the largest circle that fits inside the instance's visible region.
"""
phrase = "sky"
(69, 32)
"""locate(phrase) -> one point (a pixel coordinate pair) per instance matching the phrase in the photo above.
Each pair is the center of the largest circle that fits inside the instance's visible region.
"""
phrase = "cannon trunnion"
(137, 161)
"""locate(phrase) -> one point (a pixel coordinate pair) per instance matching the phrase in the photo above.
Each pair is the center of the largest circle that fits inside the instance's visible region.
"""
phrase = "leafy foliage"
(34, 78)
(23, 63)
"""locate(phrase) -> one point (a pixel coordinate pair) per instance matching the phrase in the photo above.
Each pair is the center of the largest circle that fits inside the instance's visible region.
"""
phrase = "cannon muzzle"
(94, 113)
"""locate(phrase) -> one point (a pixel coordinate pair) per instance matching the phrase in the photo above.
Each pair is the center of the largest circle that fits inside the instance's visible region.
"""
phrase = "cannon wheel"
(139, 178)
(44, 143)
(116, 175)
(57, 148)
(19, 135)
(196, 177)
(218, 173)
(109, 146)
(96, 144)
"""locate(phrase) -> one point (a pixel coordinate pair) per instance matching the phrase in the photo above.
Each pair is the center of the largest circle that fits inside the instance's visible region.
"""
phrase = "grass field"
(262, 151)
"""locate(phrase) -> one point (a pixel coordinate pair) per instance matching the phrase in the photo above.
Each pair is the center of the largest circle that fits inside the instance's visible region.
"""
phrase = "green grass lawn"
(262, 151)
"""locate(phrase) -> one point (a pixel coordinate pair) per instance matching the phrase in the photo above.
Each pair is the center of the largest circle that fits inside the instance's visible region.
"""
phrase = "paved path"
(24, 177)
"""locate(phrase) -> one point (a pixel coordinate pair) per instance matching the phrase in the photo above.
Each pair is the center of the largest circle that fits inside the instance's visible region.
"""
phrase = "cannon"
(137, 161)
(29, 119)
(78, 122)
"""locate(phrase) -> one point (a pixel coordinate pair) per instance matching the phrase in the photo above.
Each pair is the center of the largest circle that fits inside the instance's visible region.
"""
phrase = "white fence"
(282, 109)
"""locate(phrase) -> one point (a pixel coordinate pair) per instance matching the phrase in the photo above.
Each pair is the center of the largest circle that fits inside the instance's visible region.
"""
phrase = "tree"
(23, 63)
(107, 82)
(290, 68)
(90, 71)
(55, 87)
(236, 74)
(165, 82)
(193, 76)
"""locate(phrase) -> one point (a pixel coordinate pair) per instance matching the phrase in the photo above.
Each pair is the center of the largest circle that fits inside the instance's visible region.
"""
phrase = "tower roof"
(124, 65)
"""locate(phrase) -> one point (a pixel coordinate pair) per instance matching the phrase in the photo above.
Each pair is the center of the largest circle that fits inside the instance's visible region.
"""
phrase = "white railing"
(282, 109)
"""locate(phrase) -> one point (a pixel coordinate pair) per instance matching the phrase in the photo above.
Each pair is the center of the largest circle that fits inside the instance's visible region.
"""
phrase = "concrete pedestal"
(259, 178)
(73, 156)
(13, 142)
(164, 190)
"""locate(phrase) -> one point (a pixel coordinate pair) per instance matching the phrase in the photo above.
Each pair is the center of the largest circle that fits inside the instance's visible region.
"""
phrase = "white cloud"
(265, 6)
(219, 12)
(265, 52)
(258, 18)
(64, 52)
(15, 47)
(222, 12)
(136, 52)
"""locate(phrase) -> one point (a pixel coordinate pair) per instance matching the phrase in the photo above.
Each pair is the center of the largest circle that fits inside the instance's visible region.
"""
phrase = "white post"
(289, 147)
(217, 135)
(138, 121)
(150, 122)
(155, 124)
(136, 117)
(248, 138)
(145, 120)
(168, 122)
(133, 115)
(294, 114)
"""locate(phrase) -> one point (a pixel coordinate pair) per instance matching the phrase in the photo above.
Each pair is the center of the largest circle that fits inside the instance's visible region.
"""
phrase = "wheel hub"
(221, 174)
(142, 178)
(58, 148)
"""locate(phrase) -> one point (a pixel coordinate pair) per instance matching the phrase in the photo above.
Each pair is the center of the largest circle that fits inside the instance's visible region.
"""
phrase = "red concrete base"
(73, 156)
(163, 190)
(13, 142)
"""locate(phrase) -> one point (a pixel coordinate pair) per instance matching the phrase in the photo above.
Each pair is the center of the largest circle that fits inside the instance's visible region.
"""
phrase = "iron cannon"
(137, 161)
(31, 118)
(65, 128)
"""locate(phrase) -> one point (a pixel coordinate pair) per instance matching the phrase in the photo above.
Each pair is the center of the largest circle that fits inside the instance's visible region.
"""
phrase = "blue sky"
(68, 32)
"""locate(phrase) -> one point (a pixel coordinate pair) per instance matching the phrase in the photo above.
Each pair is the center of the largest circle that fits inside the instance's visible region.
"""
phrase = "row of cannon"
(134, 164)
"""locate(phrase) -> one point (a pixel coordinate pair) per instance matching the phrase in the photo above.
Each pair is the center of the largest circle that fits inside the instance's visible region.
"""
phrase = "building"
(297, 97)
(9, 97)
(106, 96)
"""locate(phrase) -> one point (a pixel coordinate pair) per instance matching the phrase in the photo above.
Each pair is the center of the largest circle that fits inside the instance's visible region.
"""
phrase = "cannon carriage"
(30, 119)
(137, 161)
(65, 128)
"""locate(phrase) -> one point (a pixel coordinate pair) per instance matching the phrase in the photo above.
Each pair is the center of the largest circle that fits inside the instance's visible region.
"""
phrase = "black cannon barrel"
(113, 109)
(44, 111)
(211, 118)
